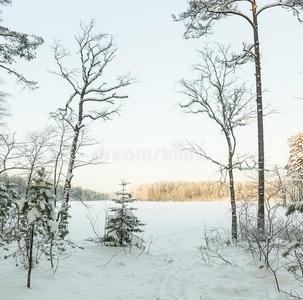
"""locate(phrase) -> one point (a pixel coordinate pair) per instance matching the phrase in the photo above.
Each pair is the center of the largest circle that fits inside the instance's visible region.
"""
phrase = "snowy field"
(171, 267)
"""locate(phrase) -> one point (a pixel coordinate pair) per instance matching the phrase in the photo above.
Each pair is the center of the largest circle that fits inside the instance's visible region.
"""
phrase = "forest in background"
(33, 223)
(207, 191)
(77, 193)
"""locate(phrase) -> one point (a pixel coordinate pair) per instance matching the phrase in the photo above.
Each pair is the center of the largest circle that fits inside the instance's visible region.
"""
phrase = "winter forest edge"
(38, 198)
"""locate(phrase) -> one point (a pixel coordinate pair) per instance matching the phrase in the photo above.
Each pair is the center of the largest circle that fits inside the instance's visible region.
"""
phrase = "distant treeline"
(198, 191)
(77, 193)
(165, 191)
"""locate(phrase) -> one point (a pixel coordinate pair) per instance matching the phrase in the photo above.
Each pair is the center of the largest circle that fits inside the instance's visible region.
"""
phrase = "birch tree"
(91, 97)
(199, 20)
(217, 94)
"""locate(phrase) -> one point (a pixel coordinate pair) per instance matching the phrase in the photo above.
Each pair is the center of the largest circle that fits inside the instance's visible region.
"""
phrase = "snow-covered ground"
(170, 268)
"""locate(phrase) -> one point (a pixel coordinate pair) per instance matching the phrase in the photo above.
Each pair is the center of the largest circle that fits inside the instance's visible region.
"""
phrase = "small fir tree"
(122, 223)
(39, 220)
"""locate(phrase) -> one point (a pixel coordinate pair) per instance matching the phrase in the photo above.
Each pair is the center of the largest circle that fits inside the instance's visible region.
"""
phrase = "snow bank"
(171, 267)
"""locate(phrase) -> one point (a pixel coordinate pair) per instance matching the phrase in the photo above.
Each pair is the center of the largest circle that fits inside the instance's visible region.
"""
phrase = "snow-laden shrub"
(293, 252)
(9, 213)
(293, 207)
(38, 208)
(38, 221)
(31, 225)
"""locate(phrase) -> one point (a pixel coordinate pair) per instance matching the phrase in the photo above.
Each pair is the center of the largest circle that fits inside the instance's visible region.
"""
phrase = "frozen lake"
(161, 218)
(170, 268)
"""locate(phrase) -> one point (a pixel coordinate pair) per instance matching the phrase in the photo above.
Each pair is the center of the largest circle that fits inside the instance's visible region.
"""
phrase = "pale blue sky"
(151, 45)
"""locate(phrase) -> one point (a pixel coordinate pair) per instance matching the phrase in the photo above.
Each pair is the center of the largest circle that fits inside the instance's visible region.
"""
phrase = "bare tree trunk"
(69, 176)
(30, 257)
(284, 197)
(68, 180)
(231, 142)
(30, 176)
(63, 215)
(58, 168)
(261, 214)
(234, 229)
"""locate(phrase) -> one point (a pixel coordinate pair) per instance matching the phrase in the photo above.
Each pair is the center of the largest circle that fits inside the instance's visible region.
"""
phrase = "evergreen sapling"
(122, 223)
